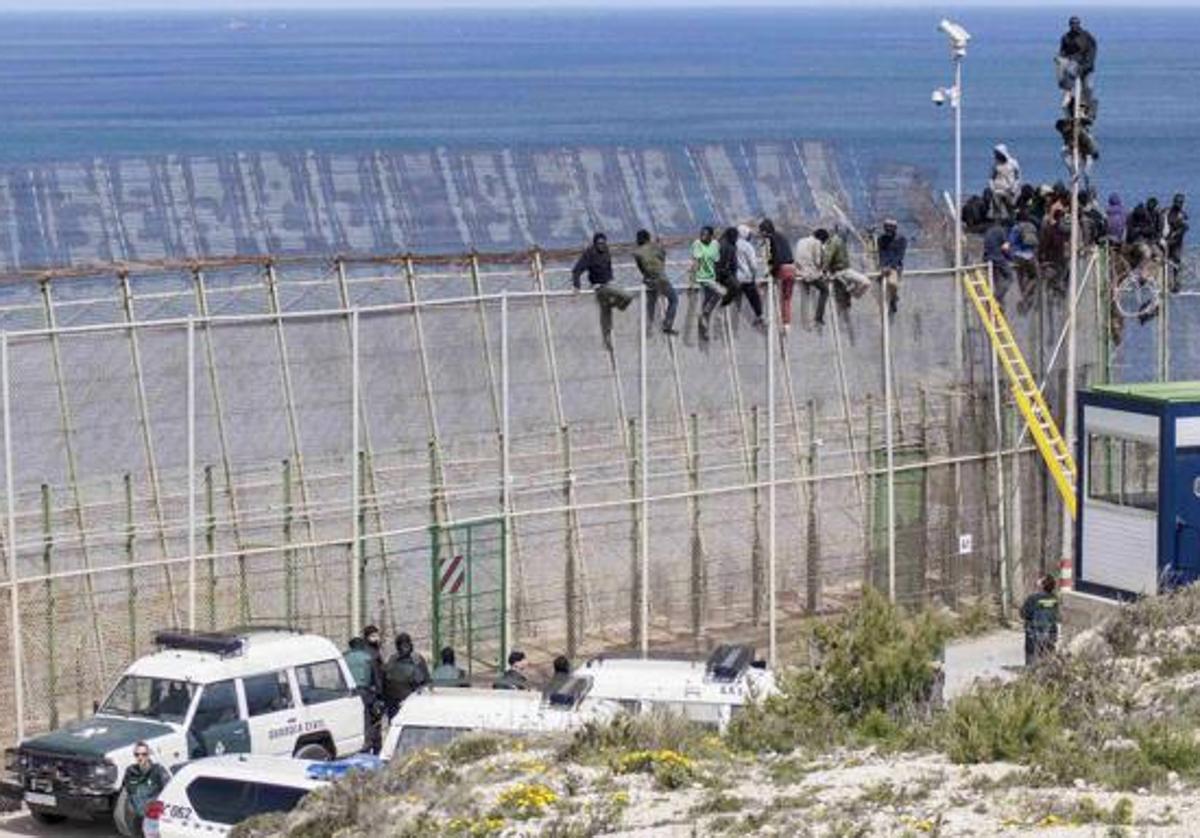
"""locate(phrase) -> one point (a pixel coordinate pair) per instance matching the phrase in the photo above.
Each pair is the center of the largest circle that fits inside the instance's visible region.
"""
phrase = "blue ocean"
(81, 86)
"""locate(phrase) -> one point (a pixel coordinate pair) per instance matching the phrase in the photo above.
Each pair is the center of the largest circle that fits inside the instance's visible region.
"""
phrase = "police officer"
(515, 677)
(448, 673)
(405, 673)
(1040, 614)
(142, 783)
(562, 674)
(362, 667)
(372, 636)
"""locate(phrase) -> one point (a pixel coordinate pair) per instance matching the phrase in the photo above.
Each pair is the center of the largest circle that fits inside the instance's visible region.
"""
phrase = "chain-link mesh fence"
(105, 511)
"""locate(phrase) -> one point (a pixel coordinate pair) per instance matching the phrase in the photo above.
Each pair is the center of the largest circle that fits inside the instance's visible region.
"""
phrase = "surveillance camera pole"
(956, 102)
(1068, 523)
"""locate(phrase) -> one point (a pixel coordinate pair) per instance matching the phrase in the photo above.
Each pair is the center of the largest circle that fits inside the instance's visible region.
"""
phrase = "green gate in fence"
(468, 566)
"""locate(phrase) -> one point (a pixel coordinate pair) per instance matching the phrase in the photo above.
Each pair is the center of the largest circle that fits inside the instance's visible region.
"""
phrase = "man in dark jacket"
(142, 783)
(651, 259)
(997, 251)
(405, 673)
(1040, 615)
(515, 677)
(1175, 229)
(781, 264)
(1076, 59)
(596, 262)
(562, 674)
(891, 247)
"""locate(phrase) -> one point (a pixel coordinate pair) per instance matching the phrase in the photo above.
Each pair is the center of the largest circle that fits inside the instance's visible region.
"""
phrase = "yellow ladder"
(1032, 405)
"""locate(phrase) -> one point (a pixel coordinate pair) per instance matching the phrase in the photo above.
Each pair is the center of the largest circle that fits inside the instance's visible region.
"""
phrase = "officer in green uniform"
(142, 783)
(562, 674)
(1040, 614)
(405, 673)
(362, 668)
(448, 673)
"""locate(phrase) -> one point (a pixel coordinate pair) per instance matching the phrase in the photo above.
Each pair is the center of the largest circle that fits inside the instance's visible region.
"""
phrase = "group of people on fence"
(1026, 229)
(383, 684)
(733, 266)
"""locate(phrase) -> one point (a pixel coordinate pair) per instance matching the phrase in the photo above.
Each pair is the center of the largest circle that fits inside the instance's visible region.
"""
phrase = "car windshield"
(150, 698)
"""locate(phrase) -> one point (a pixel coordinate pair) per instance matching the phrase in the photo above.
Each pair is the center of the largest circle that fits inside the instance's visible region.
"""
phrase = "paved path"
(23, 825)
(998, 654)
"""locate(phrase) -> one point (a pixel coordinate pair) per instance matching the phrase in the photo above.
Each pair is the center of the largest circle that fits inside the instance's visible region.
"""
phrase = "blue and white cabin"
(1138, 528)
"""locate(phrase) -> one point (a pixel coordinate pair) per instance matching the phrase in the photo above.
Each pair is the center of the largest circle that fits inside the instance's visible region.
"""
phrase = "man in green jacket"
(651, 259)
(1040, 615)
(142, 783)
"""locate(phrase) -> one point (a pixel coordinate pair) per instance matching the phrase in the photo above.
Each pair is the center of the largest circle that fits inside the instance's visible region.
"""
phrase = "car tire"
(123, 816)
(46, 818)
(314, 751)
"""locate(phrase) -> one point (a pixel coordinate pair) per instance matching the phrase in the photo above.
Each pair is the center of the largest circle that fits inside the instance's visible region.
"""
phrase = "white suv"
(209, 796)
(258, 690)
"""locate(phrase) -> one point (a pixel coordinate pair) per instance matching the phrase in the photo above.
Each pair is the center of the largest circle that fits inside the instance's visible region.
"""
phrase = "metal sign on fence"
(468, 583)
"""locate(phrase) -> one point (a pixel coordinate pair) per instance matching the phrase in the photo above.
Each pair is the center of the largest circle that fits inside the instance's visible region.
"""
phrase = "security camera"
(957, 35)
(939, 97)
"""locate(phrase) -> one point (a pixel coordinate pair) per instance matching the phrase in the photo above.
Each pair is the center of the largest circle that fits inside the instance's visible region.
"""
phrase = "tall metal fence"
(227, 443)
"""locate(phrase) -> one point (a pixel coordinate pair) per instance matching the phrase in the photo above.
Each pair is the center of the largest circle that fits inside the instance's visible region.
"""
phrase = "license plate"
(37, 798)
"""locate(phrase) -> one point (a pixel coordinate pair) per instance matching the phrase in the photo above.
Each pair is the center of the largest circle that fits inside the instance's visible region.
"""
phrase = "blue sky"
(235, 7)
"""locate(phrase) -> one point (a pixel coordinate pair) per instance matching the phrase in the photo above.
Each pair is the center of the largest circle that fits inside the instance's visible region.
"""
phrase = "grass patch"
(718, 803)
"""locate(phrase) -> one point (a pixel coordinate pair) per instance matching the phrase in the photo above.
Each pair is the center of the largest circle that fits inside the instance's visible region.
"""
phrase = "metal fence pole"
(997, 416)
(772, 650)
(191, 467)
(356, 564)
(10, 500)
(644, 409)
(505, 479)
(888, 440)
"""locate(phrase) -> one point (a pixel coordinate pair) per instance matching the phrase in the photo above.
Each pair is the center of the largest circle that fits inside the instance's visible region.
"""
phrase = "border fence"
(304, 442)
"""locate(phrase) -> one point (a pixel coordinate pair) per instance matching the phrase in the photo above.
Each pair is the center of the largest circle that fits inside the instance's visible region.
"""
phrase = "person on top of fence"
(1076, 59)
(835, 267)
(405, 673)
(808, 269)
(781, 265)
(1115, 220)
(1022, 250)
(596, 262)
(1039, 612)
(516, 676)
(1175, 229)
(1004, 181)
(705, 255)
(996, 252)
(1054, 244)
(651, 259)
(892, 248)
(448, 673)
(748, 271)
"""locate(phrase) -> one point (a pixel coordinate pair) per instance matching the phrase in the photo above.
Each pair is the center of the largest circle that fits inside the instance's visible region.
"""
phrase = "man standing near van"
(142, 783)
(362, 666)
(404, 674)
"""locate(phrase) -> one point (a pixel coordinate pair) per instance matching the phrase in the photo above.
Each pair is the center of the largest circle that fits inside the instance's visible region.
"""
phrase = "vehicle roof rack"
(728, 661)
(570, 693)
(262, 628)
(212, 642)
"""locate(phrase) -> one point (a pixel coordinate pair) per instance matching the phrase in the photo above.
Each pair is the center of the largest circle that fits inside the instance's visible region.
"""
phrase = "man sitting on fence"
(596, 262)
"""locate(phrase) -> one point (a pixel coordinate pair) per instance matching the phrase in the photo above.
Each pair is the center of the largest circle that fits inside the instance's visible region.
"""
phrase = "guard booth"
(1138, 528)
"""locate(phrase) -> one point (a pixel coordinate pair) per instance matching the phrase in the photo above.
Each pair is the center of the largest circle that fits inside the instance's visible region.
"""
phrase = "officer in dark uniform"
(514, 678)
(1040, 614)
(405, 673)
(562, 674)
(144, 780)
(448, 673)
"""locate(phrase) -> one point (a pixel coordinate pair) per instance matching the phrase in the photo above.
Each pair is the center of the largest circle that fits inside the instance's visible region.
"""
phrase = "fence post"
(356, 563)
(756, 548)
(505, 476)
(644, 520)
(210, 543)
(191, 467)
(289, 557)
(13, 587)
(813, 565)
(889, 441)
(772, 647)
(570, 581)
(130, 547)
(697, 586)
(51, 607)
(635, 573)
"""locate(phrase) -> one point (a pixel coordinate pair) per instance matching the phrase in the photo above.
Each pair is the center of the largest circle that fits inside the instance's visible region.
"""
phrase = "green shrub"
(472, 748)
(1012, 721)
(655, 731)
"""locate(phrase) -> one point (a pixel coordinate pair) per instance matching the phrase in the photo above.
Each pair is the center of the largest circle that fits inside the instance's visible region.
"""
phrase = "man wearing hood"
(596, 262)
(1175, 229)
(1005, 182)
(747, 272)
(891, 247)
(405, 673)
(651, 259)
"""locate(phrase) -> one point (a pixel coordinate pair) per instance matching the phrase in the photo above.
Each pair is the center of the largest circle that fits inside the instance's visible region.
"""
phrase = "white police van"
(210, 796)
(709, 692)
(255, 690)
(437, 716)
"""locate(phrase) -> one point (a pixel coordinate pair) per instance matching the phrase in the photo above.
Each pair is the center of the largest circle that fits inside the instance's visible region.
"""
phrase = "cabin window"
(1122, 471)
